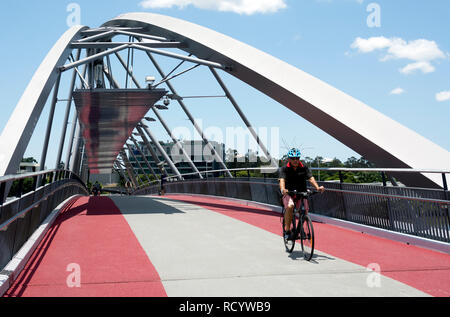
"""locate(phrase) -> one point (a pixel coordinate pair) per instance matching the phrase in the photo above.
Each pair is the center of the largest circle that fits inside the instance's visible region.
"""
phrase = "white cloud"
(422, 52)
(443, 96)
(418, 50)
(247, 7)
(371, 44)
(397, 91)
(425, 67)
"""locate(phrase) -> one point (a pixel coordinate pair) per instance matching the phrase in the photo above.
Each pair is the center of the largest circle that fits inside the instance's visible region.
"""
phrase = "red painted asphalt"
(92, 233)
(423, 269)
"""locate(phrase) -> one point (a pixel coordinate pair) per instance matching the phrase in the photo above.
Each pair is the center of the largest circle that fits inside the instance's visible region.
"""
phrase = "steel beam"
(152, 151)
(191, 118)
(243, 117)
(94, 57)
(176, 75)
(143, 156)
(109, 45)
(163, 152)
(178, 56)
(74, 122)
(18, 131)
(137, 162)
(49, 124)
(119, 169)
(155, 157)
(96, 36)
(142, 35)
(76, 150)
(178, 144)
(129, 168)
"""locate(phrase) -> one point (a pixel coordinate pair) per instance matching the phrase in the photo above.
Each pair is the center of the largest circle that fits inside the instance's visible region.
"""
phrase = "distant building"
(28, 167)
(196, 150)
(104, 179)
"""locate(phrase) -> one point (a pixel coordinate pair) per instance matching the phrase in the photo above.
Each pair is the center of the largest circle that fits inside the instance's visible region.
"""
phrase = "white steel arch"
(377, 137)
(19, 129)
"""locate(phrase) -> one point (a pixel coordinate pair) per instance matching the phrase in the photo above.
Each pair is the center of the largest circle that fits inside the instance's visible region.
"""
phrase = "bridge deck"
(186, 246)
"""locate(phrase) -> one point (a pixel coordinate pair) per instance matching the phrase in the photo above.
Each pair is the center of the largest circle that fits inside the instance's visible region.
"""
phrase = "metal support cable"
(169, 132)
(183, 106)
(163, 152)
(152, 151)
(50, 123)
(143, 156)
(242, 115)
(177, 143)
(66, 116)
(129, 168)
(130, 150)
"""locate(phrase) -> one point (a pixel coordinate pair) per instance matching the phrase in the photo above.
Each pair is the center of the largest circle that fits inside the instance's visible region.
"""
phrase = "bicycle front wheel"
(307, 238)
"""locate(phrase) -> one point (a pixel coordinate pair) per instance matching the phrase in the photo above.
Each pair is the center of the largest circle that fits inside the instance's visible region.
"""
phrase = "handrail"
(9, 178)
(333, 169)
(440, 201)
(265, 169)
(38, 177)
(427, 200)
(22, 213)
(273, 170)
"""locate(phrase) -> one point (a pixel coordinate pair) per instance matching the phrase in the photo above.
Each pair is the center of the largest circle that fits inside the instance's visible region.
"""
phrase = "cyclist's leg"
(289, 212)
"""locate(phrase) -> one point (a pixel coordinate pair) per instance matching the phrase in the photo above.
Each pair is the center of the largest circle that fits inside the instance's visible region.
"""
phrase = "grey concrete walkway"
(198, 252)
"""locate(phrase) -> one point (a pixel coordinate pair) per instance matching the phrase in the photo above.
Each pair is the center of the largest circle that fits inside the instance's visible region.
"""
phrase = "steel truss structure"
(368, 132)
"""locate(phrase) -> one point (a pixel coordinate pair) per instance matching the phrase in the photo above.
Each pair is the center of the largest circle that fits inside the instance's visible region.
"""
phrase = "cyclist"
(162, 190)
(96, 188)
(293, 176)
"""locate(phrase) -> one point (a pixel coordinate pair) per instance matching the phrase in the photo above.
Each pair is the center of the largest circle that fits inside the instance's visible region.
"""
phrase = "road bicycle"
(301, 227)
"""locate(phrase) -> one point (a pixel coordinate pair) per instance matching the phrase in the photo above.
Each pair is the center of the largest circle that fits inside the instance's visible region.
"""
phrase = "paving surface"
(186, 246)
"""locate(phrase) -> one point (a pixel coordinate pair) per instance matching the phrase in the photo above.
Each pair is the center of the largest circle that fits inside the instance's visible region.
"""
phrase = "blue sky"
(400, 68)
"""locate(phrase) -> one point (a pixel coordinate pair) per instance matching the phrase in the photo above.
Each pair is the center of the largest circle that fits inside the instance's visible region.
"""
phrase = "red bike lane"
(89, 251)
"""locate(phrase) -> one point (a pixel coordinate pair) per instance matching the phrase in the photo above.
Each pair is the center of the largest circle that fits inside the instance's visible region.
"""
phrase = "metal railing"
(416, 211)
(32, 197)
(267, 170)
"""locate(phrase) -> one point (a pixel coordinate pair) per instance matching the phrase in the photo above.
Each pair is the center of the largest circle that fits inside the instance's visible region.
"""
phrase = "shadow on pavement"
(142, 205)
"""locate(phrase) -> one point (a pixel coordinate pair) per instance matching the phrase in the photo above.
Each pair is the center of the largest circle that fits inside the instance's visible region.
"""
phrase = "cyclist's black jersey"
(295, 179)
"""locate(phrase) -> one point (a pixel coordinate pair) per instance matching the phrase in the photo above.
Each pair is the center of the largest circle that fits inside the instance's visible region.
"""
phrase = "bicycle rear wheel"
(307, 238)
(289, 243)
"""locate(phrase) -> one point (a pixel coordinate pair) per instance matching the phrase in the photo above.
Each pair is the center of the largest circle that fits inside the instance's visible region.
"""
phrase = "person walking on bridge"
(292, 177)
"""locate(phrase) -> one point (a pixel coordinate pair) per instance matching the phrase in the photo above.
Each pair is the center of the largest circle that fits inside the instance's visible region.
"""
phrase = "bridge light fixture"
(161, 107)
(150, 80)
(166, 101)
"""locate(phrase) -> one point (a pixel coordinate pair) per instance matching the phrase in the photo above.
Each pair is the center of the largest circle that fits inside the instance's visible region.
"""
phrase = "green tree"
(29, 160)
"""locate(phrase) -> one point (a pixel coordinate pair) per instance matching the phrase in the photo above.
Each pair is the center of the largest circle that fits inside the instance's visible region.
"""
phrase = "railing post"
(383, 176)
(20, 188)
(35, 183)
(341, 181)
(388, 202)
(2, 193)
(444, 182)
